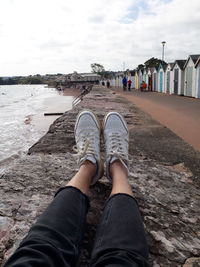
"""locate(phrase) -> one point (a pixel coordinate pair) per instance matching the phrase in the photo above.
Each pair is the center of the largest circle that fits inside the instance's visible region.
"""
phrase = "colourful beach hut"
(136, 80)
(197, 66)
(178, 77)
(161, 78)
(190, 73)
(168, 78)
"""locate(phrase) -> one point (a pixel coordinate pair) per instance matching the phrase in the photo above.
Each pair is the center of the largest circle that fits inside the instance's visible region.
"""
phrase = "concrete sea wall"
(164, 175)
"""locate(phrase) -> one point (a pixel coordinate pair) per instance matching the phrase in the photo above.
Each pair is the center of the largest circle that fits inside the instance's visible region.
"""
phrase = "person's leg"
(55, 238)
(120, 238)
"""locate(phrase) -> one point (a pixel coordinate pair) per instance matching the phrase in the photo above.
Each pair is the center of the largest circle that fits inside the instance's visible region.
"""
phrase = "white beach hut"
(178, 77)
(197, 66)
(190, 76)
(168, 78)
(140, 77)
(155, 79)
(145, 75)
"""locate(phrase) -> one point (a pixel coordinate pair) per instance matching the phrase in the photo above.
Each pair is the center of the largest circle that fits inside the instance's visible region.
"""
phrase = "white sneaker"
(87, 136)
(116, 139)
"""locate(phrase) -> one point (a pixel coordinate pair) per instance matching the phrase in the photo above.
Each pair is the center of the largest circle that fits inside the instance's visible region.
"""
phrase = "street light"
(163, 48)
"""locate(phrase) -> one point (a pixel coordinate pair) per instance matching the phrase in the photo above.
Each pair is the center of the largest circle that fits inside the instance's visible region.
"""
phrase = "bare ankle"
(118, 169)
(89, 167)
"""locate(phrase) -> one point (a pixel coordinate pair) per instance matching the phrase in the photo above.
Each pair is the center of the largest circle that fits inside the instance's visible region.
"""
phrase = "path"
(180, 114)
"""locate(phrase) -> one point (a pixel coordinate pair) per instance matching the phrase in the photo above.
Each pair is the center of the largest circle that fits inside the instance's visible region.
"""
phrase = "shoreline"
(41, 122)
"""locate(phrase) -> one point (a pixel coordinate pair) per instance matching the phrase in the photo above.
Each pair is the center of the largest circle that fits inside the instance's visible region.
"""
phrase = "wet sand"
(58, 104)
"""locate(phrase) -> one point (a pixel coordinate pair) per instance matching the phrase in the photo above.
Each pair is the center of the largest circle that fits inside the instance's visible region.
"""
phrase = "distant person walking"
(129, 84)
(124, 82)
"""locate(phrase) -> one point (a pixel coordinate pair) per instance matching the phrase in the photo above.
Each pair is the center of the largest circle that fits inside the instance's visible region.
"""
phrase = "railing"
(79, 98)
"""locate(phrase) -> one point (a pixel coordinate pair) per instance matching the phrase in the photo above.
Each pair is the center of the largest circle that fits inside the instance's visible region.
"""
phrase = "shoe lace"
(117, 149)
(86, 147)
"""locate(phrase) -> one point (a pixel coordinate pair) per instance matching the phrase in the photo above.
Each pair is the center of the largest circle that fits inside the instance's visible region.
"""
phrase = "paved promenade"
(178, 113)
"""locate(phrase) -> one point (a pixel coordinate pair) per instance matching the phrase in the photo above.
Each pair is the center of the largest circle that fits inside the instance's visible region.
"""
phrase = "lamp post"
(163, 50)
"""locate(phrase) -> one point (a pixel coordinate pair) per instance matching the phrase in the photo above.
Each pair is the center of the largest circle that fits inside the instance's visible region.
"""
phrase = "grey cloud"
(96, 19)
(54, 44)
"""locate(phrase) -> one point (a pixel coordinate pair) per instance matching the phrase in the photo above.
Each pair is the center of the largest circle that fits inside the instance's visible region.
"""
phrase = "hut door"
(189, 71)
(150, 83)
(161, 81)
(168, 82)
(176, 72)
(154, 82)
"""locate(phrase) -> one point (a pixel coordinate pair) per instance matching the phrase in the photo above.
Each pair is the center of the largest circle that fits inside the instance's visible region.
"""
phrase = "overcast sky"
(62, 36)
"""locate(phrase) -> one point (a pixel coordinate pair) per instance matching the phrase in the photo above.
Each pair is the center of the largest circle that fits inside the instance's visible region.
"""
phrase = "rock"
(192, 262)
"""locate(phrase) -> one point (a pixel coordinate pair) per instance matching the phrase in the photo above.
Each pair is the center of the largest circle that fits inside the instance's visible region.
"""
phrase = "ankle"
(88, 168)
(117, 169)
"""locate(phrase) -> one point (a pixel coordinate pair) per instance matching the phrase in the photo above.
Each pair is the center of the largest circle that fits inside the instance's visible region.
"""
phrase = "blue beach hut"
(161, 78)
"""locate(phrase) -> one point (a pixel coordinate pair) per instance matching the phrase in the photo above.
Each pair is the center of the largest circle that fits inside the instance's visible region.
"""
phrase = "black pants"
(55, 239)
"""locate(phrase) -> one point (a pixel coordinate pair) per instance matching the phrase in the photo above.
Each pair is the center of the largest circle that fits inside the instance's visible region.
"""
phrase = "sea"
(22, 120)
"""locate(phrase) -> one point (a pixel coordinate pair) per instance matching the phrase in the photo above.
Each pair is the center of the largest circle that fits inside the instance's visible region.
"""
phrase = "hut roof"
(194, 59)
(180, 63)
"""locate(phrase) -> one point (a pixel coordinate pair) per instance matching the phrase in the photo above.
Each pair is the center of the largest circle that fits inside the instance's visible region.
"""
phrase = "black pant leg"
(120, 238)
(55, 238)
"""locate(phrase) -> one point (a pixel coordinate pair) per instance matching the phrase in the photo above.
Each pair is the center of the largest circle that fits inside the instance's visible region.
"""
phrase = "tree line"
(150, 63)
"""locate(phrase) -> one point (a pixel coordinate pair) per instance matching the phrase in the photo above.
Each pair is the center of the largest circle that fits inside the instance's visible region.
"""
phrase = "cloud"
(97, 19)
(63, 36)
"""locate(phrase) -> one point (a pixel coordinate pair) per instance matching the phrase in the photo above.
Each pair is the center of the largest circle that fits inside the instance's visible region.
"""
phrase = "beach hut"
(168, 78)
(140, 77)
(136, 80)
(150, 82)
(161, 78)
(155, 79)
(145, 75)
(189, 76)
(132, 77)
(197, 66)
(178, 77)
